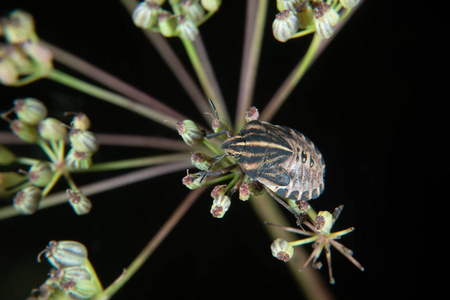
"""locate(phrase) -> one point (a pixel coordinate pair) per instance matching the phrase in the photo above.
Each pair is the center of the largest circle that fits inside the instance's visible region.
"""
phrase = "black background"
(362, 103)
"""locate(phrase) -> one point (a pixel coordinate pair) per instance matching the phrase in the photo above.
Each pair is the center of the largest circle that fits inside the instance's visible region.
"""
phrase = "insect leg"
(300, 219)
(214, 173)
(229, 134)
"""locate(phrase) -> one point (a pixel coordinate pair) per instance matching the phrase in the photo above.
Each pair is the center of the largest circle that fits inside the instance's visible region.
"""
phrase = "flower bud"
(244, 191)
(186, 28)
(9, 74)
(349, 4)
(200, 161)
(79, 202)
(323, 222)
(287, 5)
(192, 10)
(167, 24)
(24, 131)
(251, 114)
(211, 5)
(220, 206)
(80, 121)
(39, 54)
(146, 14)
(64, 254)
(218, 190)
(66, 274)
(282, 250)
(190, 133)
(26, 201)
(303, 206)
(305, 15)
(11, 179)
(79, 289)
(83, 141)
(19, 27)
(78, 160)
(30, 110)
(52, 129)
(324, 19)
(40, 174)
(285, 25)
(6, 156)
(193, 181)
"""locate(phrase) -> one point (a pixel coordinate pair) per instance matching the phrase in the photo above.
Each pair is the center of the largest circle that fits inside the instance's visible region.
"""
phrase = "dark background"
(361, 103)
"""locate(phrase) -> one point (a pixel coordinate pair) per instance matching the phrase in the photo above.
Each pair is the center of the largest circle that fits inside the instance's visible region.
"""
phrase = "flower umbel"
(321, 237)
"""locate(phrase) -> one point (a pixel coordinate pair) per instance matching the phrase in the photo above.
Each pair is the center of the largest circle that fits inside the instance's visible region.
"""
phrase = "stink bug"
(284, 160)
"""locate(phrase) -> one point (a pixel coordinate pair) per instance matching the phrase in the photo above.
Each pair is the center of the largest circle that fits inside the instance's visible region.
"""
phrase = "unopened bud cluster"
(182, 20)
(22, 58)
(295, 15)
(71, 272)
(32, 125)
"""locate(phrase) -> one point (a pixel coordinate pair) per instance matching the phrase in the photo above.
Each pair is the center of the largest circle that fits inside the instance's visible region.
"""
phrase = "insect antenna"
(224, 130)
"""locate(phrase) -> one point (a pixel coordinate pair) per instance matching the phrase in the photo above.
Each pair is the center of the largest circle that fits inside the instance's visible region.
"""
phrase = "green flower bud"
(146, 14)
(70, 273)
(349, 4)
(186, 28)
(6, 156)
(79, 289)
(282, 250)
(193, 181)
(244, 191)
(167, 24)
(26, 201)
(324, 19)
(200, 161)
(285, 25)
(220, 206)
(40, 174)
(211, 5)
(190, 133)
(78, 160)
(9, 74)
(40, 55)
(30, 110)
(192, 10)
(64, 254)
(83, 141)
(24, 131)
(287, 5)
(11, 179)
(18, 27)
(81, 121)
(305, 15)
(323, 222)
(79, 202)
(218, 190)
(52, 129)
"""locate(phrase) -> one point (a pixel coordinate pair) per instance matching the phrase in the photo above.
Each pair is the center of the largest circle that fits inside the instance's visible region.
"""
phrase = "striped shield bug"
(284, 160)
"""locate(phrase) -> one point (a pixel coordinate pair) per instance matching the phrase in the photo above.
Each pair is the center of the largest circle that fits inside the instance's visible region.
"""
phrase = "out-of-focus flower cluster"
(22, 58)
(182, 21)
(32, 125)
(321, 237)
(297, 17)
(72, 274)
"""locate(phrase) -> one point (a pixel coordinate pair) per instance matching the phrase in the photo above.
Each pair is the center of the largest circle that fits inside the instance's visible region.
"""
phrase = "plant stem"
(289, 84)
(154, 243)
(111, 97)
(254, 30)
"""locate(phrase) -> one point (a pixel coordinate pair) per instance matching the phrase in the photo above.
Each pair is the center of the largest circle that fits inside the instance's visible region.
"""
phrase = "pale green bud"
(146, 14)
(192, 10)
(81, 121)
(52, 129)
(30, 110)
(324, 19)
(26, 201)
(285, 25)
(18, 27)
(11, 179)
(282, 250)
(40, 174)
(78, 160)
(167, 24)
(71, 273)
(79, 202)
(64, 254)
(305, 15)
(244, 191)
(79, 289)
(8, 71)
(186, 28)
(324, 222)
(6, 156)
(287, 5)
(220, 206)
(190, 133)
(200, 161)
(24, 131)
(349, 4)
(211, 5)
(83, 141)
(193, 181)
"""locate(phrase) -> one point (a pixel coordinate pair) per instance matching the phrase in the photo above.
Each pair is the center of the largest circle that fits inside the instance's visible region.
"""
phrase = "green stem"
(290, 83)
(153, 244)
(111, 97)
(48, 150)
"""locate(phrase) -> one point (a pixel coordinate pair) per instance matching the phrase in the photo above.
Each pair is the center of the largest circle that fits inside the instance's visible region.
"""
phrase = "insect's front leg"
(223, 171)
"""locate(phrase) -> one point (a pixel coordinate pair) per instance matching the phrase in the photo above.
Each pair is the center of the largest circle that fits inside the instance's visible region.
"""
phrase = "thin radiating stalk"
(174, 63)
(254, 30)
(164, 231)
(112, 82)
(104, 185)
(113, 98)
(154, 142)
